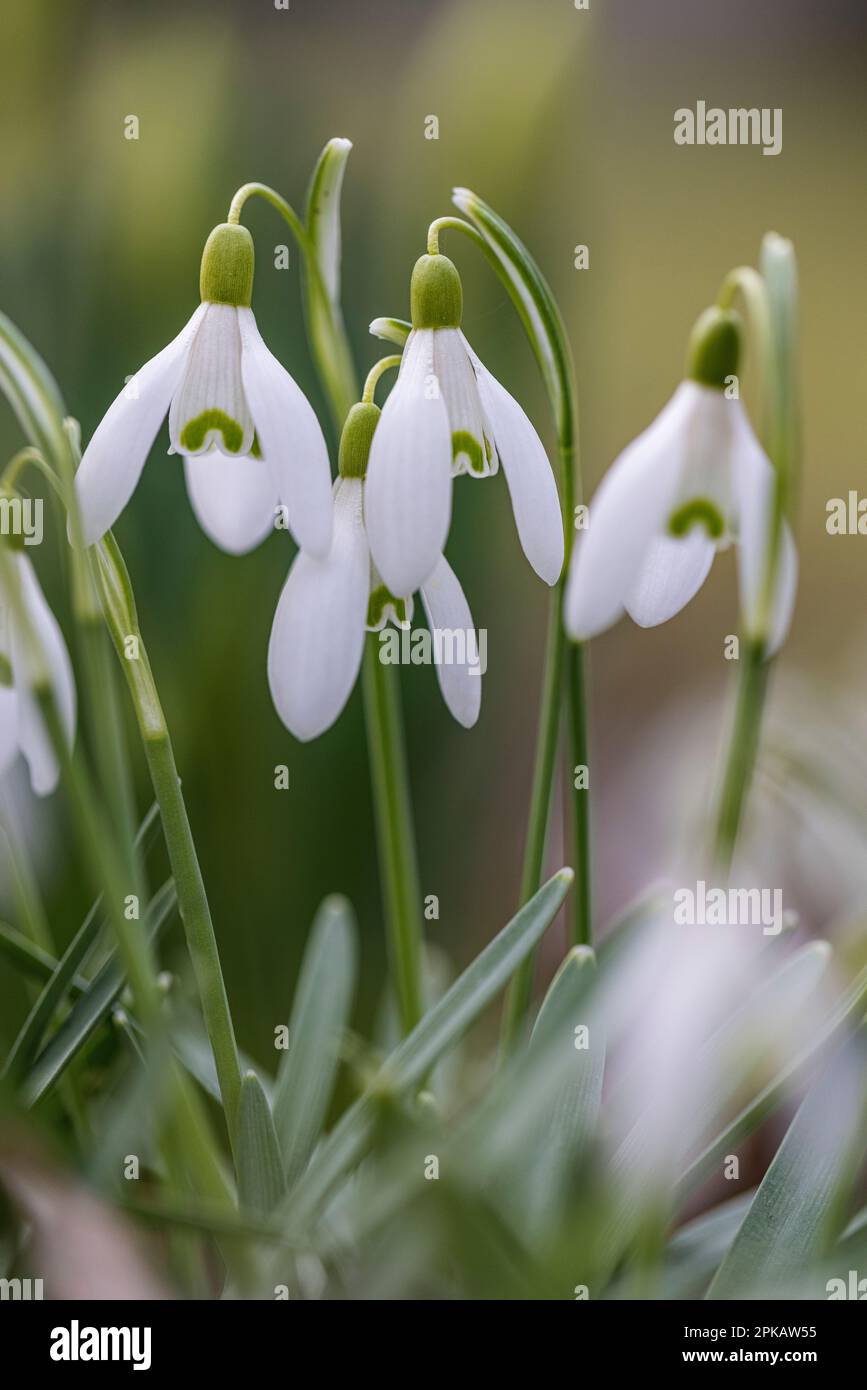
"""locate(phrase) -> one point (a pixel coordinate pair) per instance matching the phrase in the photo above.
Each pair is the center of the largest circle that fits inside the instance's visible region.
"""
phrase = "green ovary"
(196, 431)
(699, 512)
(465, 443)
(380, 599)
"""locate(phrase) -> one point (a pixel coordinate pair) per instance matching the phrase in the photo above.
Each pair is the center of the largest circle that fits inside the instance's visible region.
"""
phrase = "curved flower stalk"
(248, 436)
(33, 660)
(446, 416)
(696, 481)
(327, 605)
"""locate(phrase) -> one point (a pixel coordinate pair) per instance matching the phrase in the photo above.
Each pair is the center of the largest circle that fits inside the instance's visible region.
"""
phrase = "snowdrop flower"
(447, 415)
(695, 481)
(248, 436)
(33, 657)
(327, 606)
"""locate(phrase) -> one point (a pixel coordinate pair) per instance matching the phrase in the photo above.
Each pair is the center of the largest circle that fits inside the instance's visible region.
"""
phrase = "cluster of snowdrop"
(695, 481)
(253, 448)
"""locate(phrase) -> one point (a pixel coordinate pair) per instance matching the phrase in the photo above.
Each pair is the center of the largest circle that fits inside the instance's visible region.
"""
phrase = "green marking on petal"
(255, 448)
(699, 512)
(465, 443)
(381, 600)
(5, 670)
(195, 432)
(489, 449)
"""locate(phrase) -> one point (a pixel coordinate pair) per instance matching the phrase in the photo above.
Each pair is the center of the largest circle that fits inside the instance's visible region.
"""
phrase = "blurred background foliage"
(563, 121)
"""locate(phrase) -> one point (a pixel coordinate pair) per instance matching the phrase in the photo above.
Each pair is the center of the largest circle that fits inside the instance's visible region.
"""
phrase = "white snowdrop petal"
(43, 626)
(114, 458)
(234, 499)
(317, 639)
(291, 439)
(408, 489)
(472, 447)
(455, 644)
(673, 572)
(629, 509)
(210, 409)
(530, 479)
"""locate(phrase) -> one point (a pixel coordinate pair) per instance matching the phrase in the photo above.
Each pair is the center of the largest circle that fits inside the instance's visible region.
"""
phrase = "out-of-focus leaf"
(439, 1030)
(260, 1166)
(91, 1008)
(31, 391)
(851, 1006)
(799, 1209)
(320, 1012)
(693, 1254)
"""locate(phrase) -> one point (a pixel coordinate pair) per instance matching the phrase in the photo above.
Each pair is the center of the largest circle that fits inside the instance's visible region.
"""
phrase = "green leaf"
(413, 1059)
(29, 1039)
(31, 959)
(320, 1013)
(574, 1108)
(324, 319)
(799, 1209)
(192, 1047)
(391, 330)
(91, 1008)
(532, 297)
(32, 392)
(260, 1166)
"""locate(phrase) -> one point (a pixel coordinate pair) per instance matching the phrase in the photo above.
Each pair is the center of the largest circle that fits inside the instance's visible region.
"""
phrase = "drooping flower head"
(248, 436)
(33, 659)
(696, 481)
(329, 604)
(447, 415)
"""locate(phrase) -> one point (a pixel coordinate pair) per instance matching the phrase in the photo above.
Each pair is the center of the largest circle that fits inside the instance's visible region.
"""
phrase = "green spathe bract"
(436, 293)
(228, 259)
(356, 439)
(714, 348)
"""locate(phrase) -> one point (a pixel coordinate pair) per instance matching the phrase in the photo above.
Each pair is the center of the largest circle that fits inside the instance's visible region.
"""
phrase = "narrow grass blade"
(38, 1021)
(31, 959)
(91, 1008)
(260, 1165)
(439, 1030)
(799, 1209)
(320, 1013)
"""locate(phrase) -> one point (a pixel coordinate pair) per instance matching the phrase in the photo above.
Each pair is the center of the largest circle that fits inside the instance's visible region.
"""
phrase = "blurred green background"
(563, 120)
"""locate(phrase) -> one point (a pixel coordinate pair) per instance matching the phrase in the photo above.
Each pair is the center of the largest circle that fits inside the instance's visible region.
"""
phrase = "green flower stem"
(564, 673)
(771, 304)
(378, 370)
(394, 827)
(335, 363)
(386, 748)
(121, 618)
